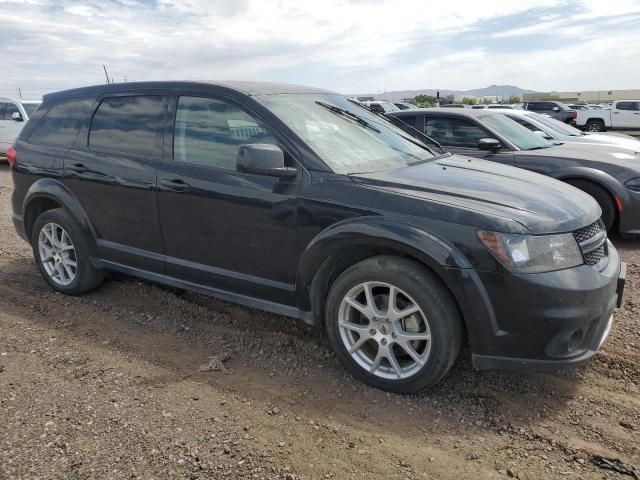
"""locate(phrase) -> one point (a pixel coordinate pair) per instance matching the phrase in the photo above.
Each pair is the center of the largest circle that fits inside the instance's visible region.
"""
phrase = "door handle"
(77, 167)
(176, 185)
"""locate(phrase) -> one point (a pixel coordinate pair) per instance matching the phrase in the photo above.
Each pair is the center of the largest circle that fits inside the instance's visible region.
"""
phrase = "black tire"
(86, 276)
(431, 296)
(595, 125)
(602, 196)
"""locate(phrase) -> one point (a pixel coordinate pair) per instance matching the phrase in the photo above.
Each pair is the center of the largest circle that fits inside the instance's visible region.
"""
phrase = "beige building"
(593, 96)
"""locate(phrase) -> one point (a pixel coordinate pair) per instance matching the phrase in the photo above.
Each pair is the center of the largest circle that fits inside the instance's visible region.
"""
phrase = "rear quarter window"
(61, 123)
(131, 124)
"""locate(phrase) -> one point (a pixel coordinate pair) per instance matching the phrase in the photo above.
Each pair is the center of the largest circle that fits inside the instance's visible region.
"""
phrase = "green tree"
(486, 101)
(424, 101)
(513, 99)
(469, 101)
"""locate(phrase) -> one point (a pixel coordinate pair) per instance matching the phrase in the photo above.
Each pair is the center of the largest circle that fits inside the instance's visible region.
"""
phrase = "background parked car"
(552, 129)
(13, 115)
(405, 106)
(623, 115)
(493, 106)
(557, 110)
(381, 106)
(610, 175)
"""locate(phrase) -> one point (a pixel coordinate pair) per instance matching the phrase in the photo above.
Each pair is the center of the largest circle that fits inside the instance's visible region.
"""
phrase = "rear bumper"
(542, 321)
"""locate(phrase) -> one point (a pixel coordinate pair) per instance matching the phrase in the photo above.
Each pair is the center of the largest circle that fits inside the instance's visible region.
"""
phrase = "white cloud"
(351, 46)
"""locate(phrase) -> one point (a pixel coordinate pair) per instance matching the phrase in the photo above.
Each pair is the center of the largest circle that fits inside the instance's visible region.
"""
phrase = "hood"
(622, 141)
(616, 155)
(540, 204)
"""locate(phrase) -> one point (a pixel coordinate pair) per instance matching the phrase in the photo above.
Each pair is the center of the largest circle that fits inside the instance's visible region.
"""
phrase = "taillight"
(11, 156)
(574, 114)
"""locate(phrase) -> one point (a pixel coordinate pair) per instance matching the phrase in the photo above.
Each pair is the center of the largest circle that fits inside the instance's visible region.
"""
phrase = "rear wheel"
(595, 125)
(61, 253)
(393, 324)
(603, 198)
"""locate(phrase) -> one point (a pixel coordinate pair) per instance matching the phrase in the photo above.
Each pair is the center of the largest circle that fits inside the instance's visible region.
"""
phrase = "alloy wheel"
(57, 254)
(384, 330)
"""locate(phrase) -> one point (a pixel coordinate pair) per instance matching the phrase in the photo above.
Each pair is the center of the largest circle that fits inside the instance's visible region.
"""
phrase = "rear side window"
(133, 124)
(61, 124)
(209, 132)
(9, 110)
(628, 105)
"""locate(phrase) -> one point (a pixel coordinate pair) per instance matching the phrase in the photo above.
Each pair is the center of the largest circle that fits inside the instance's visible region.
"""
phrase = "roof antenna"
(106, 74)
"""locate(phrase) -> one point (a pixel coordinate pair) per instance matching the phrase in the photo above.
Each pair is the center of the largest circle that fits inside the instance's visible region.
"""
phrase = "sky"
(351, 46)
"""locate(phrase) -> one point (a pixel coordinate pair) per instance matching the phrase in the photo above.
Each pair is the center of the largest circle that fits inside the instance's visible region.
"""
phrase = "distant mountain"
(490, 91)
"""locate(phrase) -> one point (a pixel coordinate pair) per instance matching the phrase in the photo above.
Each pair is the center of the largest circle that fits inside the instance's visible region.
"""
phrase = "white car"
(13, 115)
(623, 115)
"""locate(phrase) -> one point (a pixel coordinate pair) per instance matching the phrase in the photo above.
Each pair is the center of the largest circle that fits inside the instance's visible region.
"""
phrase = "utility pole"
(19, 93)
(105, 73)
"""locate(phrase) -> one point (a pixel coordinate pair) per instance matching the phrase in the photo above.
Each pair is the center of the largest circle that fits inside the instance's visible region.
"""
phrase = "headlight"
(533, 253)
(633, 184)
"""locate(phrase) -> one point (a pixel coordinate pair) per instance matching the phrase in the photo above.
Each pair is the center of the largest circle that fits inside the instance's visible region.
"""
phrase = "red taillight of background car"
(574, 114)
(11, 156)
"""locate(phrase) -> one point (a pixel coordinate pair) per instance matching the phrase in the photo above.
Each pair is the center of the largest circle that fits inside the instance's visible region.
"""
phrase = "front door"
(460, 135)
(225, 229)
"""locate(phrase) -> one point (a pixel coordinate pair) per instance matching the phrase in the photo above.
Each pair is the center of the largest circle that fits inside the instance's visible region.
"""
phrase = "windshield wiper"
(414, 132)
(347, 114)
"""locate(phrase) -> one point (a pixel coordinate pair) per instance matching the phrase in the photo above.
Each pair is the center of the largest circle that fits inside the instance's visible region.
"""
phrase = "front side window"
(61, 124)
(454, 132)
(209, 132)
(345, 135)
(131, 124)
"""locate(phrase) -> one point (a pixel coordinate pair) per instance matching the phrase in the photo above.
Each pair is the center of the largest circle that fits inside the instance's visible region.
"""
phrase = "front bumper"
(550, 320)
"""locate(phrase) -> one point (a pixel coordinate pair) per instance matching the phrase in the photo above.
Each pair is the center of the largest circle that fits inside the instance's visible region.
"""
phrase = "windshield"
(556, 125)
(349, 138)
(30, 108)
(520, 136)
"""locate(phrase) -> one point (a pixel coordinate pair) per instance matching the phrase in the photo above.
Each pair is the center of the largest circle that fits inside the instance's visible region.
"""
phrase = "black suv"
(556, 110)
(302, 202)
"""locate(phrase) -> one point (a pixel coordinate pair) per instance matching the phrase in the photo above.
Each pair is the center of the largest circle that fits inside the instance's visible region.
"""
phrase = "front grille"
(594, 256)
(589, 231)
(593, 249)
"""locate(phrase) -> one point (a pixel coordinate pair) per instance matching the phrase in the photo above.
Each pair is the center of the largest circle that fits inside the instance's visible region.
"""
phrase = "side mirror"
(556, 109)
(489, 144)
(263, 159)
(16, 117)
(542, 134)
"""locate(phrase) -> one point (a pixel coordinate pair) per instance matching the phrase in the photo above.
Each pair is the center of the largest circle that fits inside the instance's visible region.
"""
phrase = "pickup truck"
(623, 115)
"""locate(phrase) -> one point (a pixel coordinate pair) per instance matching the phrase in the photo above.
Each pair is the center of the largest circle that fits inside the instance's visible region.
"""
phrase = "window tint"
(454, 132)
(6, 110)
(129, 124)
(61, 124)
(30, 108)
(409, 120)
(209, 132)
(627, 106)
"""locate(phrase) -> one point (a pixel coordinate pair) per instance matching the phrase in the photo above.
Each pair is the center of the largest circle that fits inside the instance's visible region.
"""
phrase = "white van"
(13, 115)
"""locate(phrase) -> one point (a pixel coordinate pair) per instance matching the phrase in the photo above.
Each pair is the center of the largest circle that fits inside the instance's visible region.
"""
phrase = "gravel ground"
(137, 381)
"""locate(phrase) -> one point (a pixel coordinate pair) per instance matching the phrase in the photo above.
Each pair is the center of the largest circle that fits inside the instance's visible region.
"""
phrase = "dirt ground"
(120, 383)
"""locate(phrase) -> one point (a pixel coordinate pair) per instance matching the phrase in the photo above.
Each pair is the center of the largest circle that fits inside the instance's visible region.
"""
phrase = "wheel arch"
(344, 244)
(46, 194)
(613, 187)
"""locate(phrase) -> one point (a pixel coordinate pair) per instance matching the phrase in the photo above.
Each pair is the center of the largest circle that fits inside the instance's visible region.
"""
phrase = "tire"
(595, 125)
(68, 247)
(437, 317)
(603, 198)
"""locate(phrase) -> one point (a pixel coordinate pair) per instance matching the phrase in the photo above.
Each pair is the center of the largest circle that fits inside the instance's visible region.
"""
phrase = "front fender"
(613, 186)
(53, 189)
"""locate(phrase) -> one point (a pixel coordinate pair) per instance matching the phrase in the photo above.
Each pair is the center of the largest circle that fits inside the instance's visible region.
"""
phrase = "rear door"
(112, 172)
(222, 228)
(461, 135)
(626, 115)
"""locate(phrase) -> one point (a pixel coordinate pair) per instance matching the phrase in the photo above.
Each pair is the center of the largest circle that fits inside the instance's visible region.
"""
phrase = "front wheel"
(393, 324)
(602, 197)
